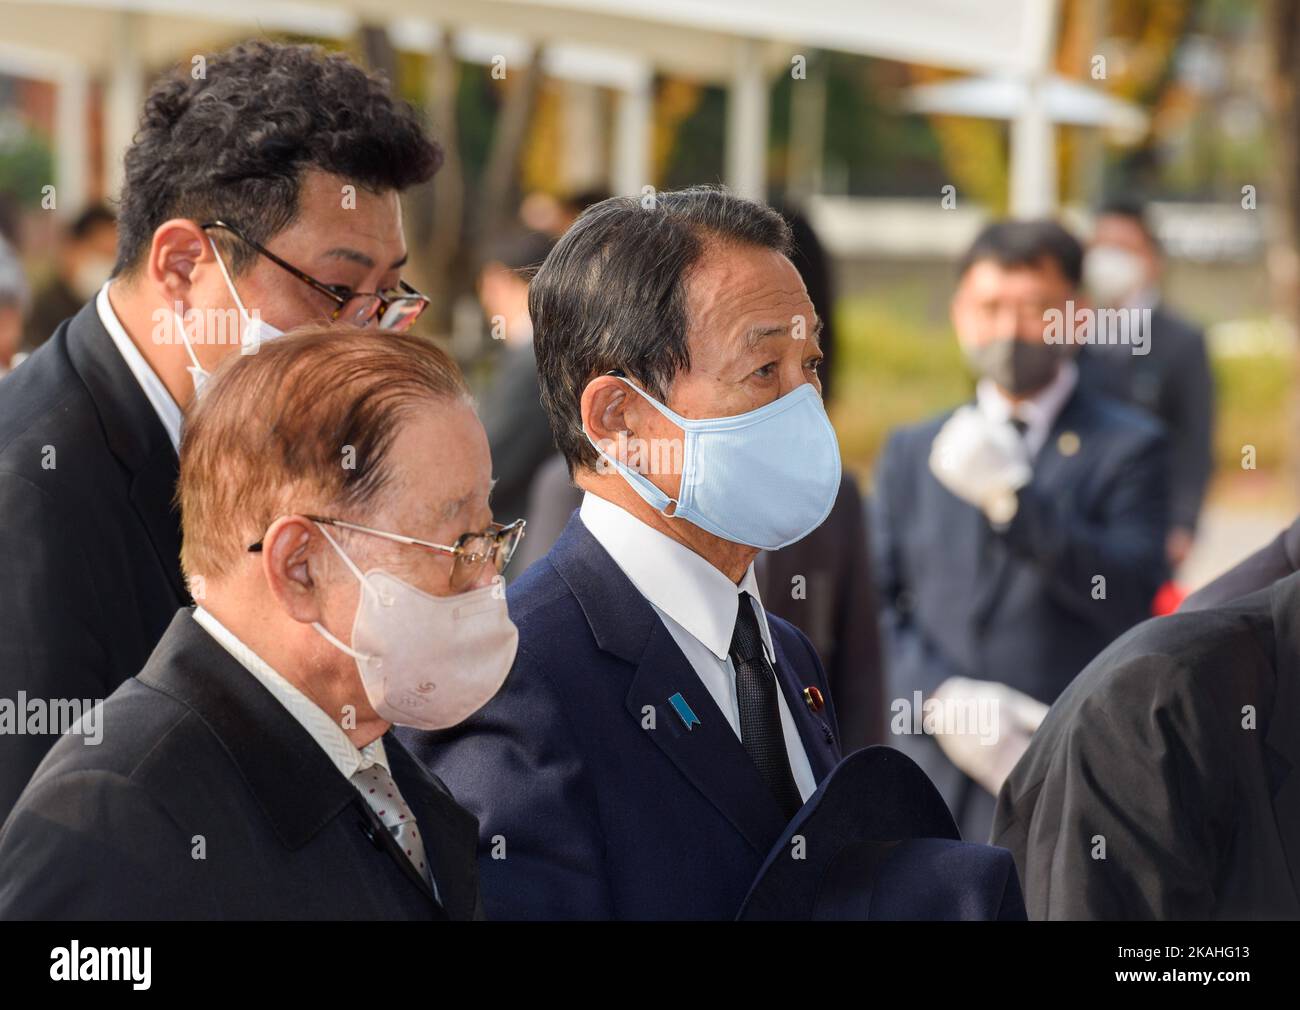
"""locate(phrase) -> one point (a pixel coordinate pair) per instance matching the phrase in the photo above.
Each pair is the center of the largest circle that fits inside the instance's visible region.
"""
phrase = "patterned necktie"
(760, 713)
(380, 791)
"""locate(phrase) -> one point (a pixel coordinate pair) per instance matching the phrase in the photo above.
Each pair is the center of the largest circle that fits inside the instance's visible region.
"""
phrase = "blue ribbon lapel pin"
(684, 711)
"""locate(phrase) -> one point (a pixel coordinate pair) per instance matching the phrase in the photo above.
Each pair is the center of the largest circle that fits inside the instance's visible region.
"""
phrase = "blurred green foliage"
(26, 165)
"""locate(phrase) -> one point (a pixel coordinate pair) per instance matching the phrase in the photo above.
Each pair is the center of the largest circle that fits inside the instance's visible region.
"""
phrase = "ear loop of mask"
(366, 587)
(652, 488)
(195, 369)
(234, 293)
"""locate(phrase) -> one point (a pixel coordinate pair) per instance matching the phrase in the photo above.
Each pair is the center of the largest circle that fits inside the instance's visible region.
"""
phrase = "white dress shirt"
(324, 730)
(1038, 412)
(164, 406)
(697, 604)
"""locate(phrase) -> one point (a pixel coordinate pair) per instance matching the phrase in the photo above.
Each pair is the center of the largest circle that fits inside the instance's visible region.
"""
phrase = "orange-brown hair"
(305, 423)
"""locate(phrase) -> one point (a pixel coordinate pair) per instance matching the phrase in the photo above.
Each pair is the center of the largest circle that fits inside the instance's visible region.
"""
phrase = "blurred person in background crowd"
(85, 257)
(258, 733)
(14, 301)
(659, 728)
(291, 215)
(511, 405)
(1016, 536)
(821, 584)
(1123, 269)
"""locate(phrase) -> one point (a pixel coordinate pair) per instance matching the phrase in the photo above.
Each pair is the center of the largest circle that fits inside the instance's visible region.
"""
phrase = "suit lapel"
(446, 849)
(814, 730)
(134, 434)
(708, 753)
(294, 782)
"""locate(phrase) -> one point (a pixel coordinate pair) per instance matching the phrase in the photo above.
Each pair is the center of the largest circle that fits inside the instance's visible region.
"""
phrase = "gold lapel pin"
(1068, 444)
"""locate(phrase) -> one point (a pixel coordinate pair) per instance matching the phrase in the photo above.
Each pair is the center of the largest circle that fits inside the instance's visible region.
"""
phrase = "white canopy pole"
(124, 97)
(747, 116)
(71, 149)
(631, 167)
(1032, 175)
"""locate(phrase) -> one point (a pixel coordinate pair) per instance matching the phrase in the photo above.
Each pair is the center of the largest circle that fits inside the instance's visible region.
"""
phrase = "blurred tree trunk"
(447, 233)
(444, 221)
(498, 197)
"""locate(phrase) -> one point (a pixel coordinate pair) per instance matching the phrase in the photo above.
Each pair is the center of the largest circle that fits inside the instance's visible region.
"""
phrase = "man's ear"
(291, 563)
(178, 246)
(609, 411)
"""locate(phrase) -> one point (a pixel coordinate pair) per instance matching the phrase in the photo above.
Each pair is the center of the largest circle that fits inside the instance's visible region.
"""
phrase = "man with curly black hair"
(261, 192)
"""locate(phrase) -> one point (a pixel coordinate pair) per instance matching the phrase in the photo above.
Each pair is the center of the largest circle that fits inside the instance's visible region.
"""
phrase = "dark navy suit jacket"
(1022, 606)
(594, 799)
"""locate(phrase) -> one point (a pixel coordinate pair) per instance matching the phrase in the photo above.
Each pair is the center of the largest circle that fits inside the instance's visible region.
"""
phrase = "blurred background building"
(895, 128)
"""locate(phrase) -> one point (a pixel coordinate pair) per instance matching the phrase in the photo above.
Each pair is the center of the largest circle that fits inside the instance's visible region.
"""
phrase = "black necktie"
(760, 714)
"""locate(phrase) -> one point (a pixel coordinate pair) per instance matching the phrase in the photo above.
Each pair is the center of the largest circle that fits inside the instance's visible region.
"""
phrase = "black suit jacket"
(90, 537)
(1179, 748)
(198, 757)
(1021, 606)
(518, 430)
(1174, 382)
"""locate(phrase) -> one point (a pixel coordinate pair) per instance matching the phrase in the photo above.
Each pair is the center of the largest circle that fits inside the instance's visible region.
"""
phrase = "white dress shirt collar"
(672, 577)
(1038, 412)
(164, 406)
(324, 730)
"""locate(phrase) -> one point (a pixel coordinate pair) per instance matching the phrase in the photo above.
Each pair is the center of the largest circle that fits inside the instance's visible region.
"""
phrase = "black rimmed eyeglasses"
(472, 551)
(396, 309)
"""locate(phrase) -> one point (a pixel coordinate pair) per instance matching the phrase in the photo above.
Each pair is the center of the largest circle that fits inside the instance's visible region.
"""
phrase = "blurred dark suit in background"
(1173, 382)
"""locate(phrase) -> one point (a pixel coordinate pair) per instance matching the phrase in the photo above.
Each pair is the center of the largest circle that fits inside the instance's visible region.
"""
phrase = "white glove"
(980, 461)
(984, 727)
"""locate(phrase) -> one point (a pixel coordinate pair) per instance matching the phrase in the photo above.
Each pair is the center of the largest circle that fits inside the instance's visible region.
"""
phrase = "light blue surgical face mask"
(765, 479)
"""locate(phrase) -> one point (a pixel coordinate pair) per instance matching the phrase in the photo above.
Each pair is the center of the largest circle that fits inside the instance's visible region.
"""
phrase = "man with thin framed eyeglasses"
(249, 770)
(256, 199)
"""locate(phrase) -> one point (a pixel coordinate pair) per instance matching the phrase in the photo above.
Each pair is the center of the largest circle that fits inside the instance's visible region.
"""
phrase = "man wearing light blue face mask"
(255, 200)
(659, 728)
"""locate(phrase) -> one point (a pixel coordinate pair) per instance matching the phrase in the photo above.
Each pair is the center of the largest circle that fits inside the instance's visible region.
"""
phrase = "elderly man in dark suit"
(249, 770)
(1171, 378)
(1015, 537)
(298, 213)
(660, 727)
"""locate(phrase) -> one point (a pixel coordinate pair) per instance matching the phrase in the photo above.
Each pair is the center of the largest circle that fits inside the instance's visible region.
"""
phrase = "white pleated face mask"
(766, 478)
(425, 661)
(254, 330)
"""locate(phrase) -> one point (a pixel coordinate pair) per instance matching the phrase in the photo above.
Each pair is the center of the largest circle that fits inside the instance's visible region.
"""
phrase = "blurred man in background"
(511, 405)
(14, 299)
(1122, 270)
(85, 257)
(292, 216)
(1015, 537)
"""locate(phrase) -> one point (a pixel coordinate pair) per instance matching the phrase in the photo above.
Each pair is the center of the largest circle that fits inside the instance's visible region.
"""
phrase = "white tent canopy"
(619, 43)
